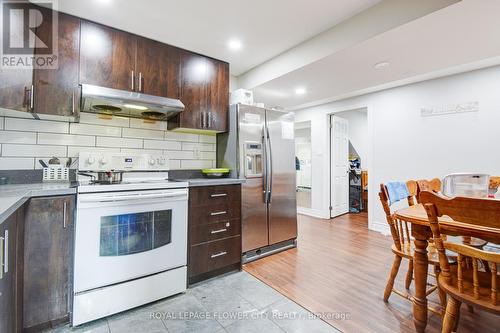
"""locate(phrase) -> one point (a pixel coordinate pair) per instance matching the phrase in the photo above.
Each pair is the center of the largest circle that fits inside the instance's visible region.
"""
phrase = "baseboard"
(321, 214)
(378, 226)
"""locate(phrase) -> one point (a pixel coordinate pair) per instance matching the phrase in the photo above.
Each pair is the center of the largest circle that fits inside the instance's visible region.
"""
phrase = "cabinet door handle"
(218, 195)
(209, 119)
(73, 103)
(132, 85)
(6, 252)
(220, 254)
(140, 81)
(32, 98)
(64, 214)
(2, 242)
(218, 231)
(218, 213)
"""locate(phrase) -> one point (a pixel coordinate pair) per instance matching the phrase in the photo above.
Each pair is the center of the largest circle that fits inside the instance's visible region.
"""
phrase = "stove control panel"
(122, 161)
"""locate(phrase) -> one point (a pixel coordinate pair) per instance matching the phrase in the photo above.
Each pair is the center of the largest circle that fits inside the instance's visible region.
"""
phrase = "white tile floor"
(237, 302)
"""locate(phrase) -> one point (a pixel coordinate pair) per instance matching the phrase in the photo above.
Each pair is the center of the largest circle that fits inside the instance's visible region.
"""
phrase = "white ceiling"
(265, 27)
(463, 33)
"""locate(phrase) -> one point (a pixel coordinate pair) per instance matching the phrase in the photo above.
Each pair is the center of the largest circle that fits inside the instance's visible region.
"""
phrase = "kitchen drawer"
(214, 231)
(214, 255)
(214, 213)
(212, 195)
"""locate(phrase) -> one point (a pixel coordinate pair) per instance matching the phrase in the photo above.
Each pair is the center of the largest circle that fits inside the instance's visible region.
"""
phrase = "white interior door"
(339, 198)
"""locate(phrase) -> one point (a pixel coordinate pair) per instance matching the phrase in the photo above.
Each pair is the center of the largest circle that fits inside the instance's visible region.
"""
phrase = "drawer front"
(214, 213)
(213, 195)
(214, 255)
(214, 231)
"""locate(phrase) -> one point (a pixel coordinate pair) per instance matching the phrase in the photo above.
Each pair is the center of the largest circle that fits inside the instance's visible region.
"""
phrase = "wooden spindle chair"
(403, 247)
(472, 286)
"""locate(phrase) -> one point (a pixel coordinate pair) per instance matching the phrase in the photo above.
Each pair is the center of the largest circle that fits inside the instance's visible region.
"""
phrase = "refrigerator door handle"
(264, 164)
(270, 168)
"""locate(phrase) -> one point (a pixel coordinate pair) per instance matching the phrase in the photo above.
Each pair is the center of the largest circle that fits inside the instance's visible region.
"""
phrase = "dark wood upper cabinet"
(204, 92)
(158, 67)
(56, 90)
(218, 94)
(48, 248)
(193, 91)
(15, 82)
(107, 57)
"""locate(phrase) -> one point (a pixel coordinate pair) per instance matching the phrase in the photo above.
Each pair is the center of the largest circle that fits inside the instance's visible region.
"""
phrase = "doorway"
(303, 156)
(349, 162)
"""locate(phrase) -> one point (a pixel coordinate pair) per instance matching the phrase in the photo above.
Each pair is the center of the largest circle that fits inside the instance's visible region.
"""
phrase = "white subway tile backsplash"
(180, 155)
(156, 144)
(208, 138)
(198, 146)
(15, 150)
(23, 140)
(33, 125)
(174, 164)
(105, 120)
(181, 136)
(141, 151)
(118, 142)
(66, 139)
(17, 163)
(207, 155)
(148, 124)
(142, 133)
(17, 137)
(73, 151)
(196, 164)
(87, 129)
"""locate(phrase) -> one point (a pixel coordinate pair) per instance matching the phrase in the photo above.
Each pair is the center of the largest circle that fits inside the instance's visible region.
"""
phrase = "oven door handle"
(113, 198)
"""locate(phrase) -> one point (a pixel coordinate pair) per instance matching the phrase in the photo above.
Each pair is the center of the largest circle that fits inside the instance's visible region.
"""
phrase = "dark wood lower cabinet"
(48, 262)
(214, 231)
(10, 270)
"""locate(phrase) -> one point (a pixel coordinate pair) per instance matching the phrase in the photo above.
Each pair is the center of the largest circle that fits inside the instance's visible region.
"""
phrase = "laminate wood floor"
(341, 267)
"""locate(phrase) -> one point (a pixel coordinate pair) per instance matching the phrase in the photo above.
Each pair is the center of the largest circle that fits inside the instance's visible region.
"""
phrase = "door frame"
(371, 188)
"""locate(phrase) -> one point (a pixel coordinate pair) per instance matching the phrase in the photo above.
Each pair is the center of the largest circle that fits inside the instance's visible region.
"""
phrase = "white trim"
(378, 226)
(318, 213)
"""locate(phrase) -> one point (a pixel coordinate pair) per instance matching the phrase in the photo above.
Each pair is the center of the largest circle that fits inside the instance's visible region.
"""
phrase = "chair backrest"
(399, 229)
(468, 211)
(433, 185)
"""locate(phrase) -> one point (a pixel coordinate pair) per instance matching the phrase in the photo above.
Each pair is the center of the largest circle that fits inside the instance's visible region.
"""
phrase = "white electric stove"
(131, 236)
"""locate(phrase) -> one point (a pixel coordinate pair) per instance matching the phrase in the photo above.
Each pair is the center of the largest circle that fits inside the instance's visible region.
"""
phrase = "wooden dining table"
(421, 232)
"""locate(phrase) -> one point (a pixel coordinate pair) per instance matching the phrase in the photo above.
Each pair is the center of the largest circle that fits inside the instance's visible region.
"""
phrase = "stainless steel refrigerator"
(260, 147)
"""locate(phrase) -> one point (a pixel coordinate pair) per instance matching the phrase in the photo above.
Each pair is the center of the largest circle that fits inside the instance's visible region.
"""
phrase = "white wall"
(405, 145)
(358, 133)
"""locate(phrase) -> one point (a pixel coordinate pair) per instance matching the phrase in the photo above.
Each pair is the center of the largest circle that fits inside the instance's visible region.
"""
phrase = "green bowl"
(215, 172)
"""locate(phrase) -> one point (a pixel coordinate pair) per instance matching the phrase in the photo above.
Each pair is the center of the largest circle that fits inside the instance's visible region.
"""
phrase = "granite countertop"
(14, 196)
(194, 182)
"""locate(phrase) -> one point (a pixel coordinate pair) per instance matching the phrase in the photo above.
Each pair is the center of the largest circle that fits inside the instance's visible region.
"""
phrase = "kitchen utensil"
(109, 177)
(54, 160)
(215, 172)
(68, 162)
(43, 164)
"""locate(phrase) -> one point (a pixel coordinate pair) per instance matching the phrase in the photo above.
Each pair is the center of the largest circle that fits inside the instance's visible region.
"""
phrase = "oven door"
(122, 236)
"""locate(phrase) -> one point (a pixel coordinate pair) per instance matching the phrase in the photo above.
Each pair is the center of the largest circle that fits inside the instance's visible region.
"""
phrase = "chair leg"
(442, 294)
(450, 320)
(409, 274)
(392, 277)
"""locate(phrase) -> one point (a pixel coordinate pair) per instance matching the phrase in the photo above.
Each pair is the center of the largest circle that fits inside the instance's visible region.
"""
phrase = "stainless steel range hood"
(109, 101)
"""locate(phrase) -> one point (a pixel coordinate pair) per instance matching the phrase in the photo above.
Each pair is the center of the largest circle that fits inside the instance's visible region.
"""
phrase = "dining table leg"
(421, 234)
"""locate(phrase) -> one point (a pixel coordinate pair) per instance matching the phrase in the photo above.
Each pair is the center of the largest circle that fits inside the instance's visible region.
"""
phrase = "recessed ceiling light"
(300, 91)
(381, 65)
(234, 44)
